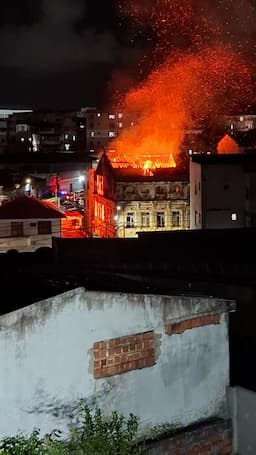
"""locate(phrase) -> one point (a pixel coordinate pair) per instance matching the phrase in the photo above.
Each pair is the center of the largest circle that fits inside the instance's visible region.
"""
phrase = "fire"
(176, 96)
(183, 87)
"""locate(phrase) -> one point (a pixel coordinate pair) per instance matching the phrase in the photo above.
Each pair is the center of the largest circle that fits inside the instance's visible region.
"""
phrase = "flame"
(177, 95)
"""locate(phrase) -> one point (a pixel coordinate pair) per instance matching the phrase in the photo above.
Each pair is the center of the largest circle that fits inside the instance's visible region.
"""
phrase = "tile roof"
(29, 207)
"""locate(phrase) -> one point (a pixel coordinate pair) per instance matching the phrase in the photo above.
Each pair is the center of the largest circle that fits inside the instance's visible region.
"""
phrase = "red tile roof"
(29, 207)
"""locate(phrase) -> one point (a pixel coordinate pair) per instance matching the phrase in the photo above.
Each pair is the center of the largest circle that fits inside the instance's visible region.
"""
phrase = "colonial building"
(121, 201)
(222, 191)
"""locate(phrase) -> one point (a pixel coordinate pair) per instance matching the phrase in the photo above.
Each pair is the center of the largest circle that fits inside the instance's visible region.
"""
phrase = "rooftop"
(29, 207)
(226, 158)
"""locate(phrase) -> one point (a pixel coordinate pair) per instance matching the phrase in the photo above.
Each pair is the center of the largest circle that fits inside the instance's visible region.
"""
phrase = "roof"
(134, 174)
(29, 207)
(229, 158)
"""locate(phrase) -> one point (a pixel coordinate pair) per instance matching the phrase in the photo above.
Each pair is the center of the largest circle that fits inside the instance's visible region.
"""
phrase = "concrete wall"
(243, 411)
(220, 195)
(47, 364)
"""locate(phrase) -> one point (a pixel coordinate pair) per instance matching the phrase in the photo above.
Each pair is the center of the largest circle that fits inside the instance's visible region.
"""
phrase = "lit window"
(234, 216)
(67, 147)
(98, 115)
(22, 139)
(92, 133)
(145, 219)
(241, 118)
(99, 183)
(120, 125)
(130, 220)
(190, 151)
(91, 150)
(132, 123)
(30, 139)
(74, 138)
(176, 218)
(160, 219)
(112, 116)
(82, 126)
(120, 115)
(66, 136)
(111, 134)
(231, 126)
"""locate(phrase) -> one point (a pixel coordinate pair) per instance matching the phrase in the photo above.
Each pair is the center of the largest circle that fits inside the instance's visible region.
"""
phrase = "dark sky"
(59, 53)
(67, 53)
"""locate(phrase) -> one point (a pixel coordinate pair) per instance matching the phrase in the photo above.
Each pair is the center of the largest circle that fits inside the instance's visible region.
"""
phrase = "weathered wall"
(243, 411)
(48, 359)
(207, 439)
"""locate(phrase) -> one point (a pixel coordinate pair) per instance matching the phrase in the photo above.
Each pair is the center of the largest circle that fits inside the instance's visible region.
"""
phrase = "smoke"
(53, 43)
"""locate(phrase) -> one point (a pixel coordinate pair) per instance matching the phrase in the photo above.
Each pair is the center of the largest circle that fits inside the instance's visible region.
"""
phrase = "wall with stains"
(47, 360)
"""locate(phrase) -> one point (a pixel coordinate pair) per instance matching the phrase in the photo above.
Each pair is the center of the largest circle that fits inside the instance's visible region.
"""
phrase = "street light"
(28, 186)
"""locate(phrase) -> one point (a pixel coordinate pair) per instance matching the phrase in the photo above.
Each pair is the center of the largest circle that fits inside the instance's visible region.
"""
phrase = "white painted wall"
(47, 364)
(30, 241)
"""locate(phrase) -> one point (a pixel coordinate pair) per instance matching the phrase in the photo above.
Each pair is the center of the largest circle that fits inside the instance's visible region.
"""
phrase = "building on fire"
(122, 201)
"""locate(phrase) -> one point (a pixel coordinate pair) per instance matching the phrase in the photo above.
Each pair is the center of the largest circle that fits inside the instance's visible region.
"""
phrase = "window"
(195, 217)
(100, 184)
(17, 229)
(120, 125)
(120, 115)
(234, 217)
(145, 219)
(111, 116)
(111, 134)
(130, 220)
(176, 218)
(92, 133)
(160, 219)
(44, 227)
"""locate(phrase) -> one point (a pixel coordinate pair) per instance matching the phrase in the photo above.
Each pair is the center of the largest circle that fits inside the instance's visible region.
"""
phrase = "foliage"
(94, 436)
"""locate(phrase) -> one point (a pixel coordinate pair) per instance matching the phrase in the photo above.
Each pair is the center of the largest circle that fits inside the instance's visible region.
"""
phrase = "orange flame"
(175, 96)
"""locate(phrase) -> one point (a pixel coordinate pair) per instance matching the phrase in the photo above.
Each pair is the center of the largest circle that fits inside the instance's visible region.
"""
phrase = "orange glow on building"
(227, 145)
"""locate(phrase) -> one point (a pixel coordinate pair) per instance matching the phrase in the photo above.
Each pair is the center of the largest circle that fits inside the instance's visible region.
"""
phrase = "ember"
(186, 87)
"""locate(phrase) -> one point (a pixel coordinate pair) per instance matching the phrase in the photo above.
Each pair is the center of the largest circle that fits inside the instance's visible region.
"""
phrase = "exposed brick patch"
(211, 438)
(118, 355)
(180, 327)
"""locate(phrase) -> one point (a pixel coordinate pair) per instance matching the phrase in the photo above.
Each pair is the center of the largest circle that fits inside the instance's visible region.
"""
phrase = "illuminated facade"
(123, 201)
(103, 127)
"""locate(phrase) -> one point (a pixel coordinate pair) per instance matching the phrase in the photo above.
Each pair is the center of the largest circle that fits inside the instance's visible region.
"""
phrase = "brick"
(98, 355)
(122, 354)
(182, 326)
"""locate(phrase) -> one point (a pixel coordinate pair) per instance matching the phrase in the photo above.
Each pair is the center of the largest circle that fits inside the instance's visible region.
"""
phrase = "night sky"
(60, 53)
(71, 53)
